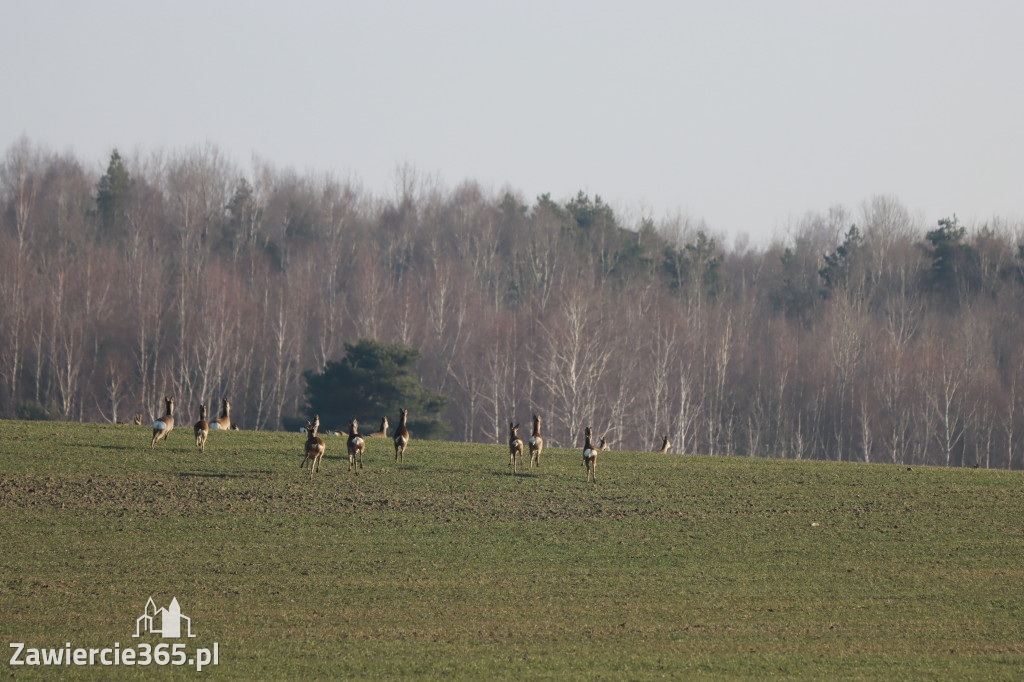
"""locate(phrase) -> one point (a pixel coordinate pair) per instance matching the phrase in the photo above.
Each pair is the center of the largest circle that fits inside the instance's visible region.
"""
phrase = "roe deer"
(603, 445)
(356, 445)
(314, 446)
(383, 429)
(401, 436)
(163, 425)
(202, 429)
(515, 446)
(590, 456)
(665, 445)
(223, 422)
(536, 442)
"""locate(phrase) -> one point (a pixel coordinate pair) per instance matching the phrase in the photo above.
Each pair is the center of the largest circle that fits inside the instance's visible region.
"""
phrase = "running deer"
(603, 445)
(401, 436)
(515, 446)
(536, 442)
(356, 445)
(383, 429)
(314, 446)
(163, 425)
(202, 429)
(590, 456)
(223, 422)
(665, 445)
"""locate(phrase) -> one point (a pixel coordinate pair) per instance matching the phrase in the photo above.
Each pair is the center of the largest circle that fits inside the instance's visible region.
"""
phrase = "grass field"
(448, 566)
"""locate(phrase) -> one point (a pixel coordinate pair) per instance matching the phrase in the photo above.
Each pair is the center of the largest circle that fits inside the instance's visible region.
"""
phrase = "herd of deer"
(356, 442)
(165, 424)
(536, 443)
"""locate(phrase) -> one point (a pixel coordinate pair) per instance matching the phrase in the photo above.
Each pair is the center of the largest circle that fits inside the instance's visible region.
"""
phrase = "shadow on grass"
(125, 446)
(207, 474)
(521, 474)
(343, 458)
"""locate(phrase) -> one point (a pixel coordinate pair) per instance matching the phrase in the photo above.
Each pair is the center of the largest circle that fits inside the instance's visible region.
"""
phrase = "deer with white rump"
(202, 429)
(401, 436)
(590, 456)
(536, 442)
(223, 422)
(515, 446)
(164, 425)
(356, 445)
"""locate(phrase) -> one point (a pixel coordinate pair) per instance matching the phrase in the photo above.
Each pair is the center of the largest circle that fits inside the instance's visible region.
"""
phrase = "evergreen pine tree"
(373, 380)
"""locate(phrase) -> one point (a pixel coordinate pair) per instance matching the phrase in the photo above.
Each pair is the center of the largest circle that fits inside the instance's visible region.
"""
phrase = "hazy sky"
(744, 114)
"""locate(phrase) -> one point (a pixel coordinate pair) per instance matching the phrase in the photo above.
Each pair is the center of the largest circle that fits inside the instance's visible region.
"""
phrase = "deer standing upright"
(202, 429)
(665, 445)
(401, 436)
(356, 445)
(536, 442)
(590, 456)
(515, 446)
(223, 422)
(164, 425)
(314, 446)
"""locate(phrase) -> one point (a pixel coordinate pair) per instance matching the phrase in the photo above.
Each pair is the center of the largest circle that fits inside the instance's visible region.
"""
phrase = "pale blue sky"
(744, 114)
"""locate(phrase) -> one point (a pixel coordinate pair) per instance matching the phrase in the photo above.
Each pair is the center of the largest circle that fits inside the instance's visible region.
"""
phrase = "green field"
(449, 566)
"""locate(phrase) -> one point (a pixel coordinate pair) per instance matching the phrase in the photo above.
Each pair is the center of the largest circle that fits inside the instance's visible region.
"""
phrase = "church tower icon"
(164, 622)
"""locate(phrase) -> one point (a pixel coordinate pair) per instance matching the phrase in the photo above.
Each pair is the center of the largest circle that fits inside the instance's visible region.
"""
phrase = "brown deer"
(163, 425)
(536, 442)
(665, 445)
(314, 446)
(589, 456)
(223, 422)
(202, 429)
(356, 445)
(401, 436)
(603, 445)
(138, 419)
(515, 446)
(383, 429)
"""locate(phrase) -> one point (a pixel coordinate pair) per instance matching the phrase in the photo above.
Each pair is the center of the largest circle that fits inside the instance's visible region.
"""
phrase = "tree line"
(862, 334)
